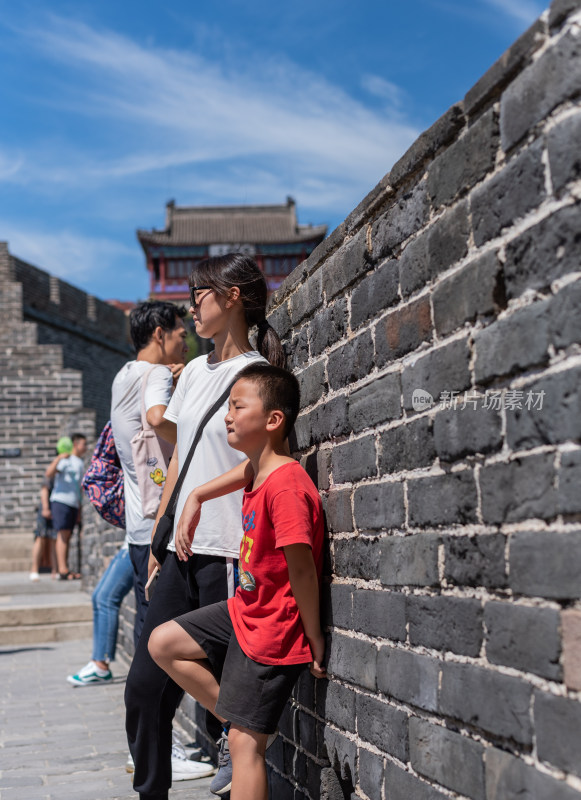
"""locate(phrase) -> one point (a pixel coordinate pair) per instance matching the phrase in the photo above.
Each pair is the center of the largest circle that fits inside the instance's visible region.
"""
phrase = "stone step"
(16, 545)
(18, 583)
(14, 564)
(40, 634)
(17, 616)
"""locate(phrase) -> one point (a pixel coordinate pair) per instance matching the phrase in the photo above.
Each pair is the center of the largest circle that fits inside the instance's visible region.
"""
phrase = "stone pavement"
(63, 743)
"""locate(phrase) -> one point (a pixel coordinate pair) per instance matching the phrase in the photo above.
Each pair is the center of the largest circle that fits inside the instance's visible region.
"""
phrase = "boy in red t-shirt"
(241, 658)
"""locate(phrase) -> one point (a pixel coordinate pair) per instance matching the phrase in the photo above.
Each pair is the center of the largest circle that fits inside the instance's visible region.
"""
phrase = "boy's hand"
(318, 651)
(187, 526)
(176, 371)
(152, 564)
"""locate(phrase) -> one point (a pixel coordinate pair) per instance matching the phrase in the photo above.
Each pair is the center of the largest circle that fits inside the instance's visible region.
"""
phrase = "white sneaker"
(90, 674)
(192, 751)
(34, 576)
(182, 769)
(130, 764)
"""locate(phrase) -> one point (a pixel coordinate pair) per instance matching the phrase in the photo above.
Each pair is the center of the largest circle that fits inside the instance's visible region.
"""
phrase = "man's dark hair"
(147, 316)
(76, 436)
(277, 388)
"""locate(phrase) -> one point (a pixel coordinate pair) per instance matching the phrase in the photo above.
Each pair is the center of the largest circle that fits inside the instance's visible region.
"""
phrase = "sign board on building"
(224, 249)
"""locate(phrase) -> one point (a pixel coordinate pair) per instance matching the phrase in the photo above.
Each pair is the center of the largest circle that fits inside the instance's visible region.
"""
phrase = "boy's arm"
(44, 502)
(52, 468)
(236, 478)
(165, 428)
(168, 487)
(304, 583)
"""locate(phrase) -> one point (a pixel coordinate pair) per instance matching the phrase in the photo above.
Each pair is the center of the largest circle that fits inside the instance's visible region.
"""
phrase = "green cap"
(64, 445)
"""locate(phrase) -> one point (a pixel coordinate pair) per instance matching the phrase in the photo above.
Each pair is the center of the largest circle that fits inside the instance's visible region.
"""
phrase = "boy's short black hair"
(147, 316)
(277, 388)
(76, 436)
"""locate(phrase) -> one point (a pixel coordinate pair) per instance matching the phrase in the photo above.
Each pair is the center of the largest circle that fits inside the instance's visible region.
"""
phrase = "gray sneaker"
(222, 781)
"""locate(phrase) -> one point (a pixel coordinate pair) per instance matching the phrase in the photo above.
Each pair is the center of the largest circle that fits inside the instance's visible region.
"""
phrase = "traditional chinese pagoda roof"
(191, 225)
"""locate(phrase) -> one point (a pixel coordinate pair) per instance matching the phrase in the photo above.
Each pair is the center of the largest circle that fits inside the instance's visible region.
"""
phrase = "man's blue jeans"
(115, 583)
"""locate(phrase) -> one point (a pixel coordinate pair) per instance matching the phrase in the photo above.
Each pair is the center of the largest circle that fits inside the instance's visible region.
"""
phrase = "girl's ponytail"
(269, 345)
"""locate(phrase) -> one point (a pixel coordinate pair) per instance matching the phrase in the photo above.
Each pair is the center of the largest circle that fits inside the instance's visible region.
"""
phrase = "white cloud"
(522, 11)
(386, 90)
(179, 111)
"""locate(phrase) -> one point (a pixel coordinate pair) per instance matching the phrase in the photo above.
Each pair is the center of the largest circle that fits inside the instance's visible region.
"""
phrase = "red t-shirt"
(285, 509)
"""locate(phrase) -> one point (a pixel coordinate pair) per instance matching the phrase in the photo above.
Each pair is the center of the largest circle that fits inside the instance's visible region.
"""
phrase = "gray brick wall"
(452, 596)
(59, 352)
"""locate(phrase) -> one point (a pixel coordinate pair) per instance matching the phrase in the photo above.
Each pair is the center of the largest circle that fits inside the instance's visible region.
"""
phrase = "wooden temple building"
(269, 233)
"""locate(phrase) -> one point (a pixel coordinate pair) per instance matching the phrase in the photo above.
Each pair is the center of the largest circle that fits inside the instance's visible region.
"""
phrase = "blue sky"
(109, 109)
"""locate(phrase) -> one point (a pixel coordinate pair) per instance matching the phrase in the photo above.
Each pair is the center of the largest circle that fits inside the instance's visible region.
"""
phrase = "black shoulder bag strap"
(163, 532)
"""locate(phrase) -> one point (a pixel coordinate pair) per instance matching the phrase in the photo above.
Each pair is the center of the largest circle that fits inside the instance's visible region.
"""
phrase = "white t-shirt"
(126, 422)
(67, 482)
(220, 528)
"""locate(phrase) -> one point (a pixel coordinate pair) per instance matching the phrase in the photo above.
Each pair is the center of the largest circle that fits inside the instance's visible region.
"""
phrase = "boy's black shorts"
(252, 695)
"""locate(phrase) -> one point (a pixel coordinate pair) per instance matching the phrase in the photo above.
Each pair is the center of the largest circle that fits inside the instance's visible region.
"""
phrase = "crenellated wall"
(59, 351)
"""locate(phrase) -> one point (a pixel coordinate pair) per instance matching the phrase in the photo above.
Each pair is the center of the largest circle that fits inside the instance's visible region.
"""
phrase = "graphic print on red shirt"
(285, 509)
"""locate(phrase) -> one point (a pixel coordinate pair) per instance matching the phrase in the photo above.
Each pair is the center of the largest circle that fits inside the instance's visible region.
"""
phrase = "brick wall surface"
(453, 589)
(59, 352)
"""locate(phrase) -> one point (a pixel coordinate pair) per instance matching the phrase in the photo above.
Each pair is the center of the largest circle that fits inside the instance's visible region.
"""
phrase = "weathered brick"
(370, 774)
(297, 351)
(307, 298)
(448, 239)
(329, 419)
(342, 753)
(327, 326)
(448, 758)
(408, 215)
(338, 510)
(513, 344)
(445, 369)
(376, 402)
(402, 785)
(279, 787)
(551, 79)
(569, 497)
(560, 9)
(565, 316)
(571, 635)
(521, 489)
(465, 162)
(558, 731)
(475, 560)
(375, 293)
(407, 447)
(356, 557)
(509, 778)
(379, 505)
(414, 265)
(553, 416)
(564, 158)
(353, 660)
(354, 460)
(429, 142)
(351, 362)
(503, 70)
(280, 320)
(544, 252)
(346, 265)
(338, 605)
(476, 290)
(383, 725)
(340, 705)
(408, 677)
(509, 195)
(488, 700)
(313, 383)
(445, 623)
(379, 613)
(409, 560)
(466, 431)
(524, 638)
(317, 465)
(403, 330)
(545, 564)
(442, 499)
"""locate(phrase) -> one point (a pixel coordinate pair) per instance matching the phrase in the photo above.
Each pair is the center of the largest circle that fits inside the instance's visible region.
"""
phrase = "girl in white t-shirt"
(228, 296)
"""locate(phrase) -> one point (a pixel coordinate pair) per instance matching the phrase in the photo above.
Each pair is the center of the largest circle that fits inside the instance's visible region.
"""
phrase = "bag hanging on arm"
(151, 455)
(164, 529)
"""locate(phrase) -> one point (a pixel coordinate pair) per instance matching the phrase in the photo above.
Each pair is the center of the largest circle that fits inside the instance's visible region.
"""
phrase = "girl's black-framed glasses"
(193, 290)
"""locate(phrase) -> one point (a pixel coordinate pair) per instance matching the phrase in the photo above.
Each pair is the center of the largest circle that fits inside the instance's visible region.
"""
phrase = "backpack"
(151, 455)
(103, 481)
